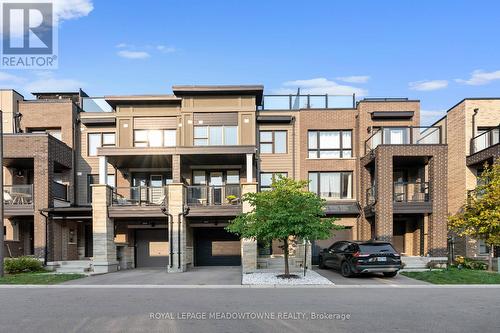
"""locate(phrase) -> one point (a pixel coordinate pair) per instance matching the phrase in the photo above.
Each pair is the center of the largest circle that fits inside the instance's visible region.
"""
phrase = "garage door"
(216, 247)
(317, 246)
(152, 248)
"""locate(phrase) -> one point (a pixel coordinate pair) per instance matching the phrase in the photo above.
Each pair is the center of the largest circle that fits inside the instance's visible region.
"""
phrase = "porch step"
(74, 266)
(419, 263)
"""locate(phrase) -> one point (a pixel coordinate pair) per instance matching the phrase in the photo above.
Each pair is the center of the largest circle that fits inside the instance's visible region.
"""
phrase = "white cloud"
(166, 49)
(354, 78)
(428, 85)
(319, 86)
(133, 54)
(11, 79)
(49, 84)
(63, 10)
(480, 77)
(122, 45)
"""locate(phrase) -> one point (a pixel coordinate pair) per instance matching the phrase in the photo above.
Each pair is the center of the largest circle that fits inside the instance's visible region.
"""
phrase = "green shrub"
(22, 265)
(468, 263)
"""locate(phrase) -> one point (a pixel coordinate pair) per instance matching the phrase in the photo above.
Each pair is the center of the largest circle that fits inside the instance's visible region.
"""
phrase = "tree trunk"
(285, 252)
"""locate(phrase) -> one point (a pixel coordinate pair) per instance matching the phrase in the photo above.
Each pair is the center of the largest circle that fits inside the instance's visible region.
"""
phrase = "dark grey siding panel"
(216, 118)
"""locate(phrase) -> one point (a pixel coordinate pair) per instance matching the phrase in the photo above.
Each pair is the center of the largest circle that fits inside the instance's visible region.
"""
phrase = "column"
(177, 261)
(104, 257)
(103, 169)
(176, 168)
(248, 246)
(249, 168)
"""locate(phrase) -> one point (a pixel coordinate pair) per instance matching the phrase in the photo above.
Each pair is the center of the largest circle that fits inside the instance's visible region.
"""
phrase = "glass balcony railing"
(18, 196)
(371, 195)
(411, 191)
(213, 195)
(139, 196)
(95, 104)
(296, 102)
(412, 135)
(485, 140)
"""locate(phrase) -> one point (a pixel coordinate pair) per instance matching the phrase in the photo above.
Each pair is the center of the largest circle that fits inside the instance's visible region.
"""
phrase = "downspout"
(170, 222)
(45, 257)
(184, 213)
(474, 131)
(293, 147)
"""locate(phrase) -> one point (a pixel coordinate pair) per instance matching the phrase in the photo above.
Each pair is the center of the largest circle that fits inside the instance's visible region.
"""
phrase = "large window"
(330, 144)
(155, 138)
(94, 179)
(273, 142)
(215, 135)
(331, 185)
(96, 140)
(267, 178)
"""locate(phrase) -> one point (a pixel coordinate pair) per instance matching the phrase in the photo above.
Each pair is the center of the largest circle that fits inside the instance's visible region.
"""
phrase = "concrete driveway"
(366, 279)
(141, 276)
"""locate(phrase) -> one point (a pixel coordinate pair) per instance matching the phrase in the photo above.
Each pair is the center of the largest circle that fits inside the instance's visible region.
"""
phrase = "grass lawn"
(38, 278)
(456, 276)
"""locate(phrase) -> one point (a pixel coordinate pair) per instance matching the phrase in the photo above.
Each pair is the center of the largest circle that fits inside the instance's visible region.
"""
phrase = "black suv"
(354, 257)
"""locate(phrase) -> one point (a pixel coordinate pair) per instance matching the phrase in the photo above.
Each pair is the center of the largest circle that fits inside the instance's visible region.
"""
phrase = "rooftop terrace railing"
(485, 140)
(95, 104)
(296, 102)
(411, 135)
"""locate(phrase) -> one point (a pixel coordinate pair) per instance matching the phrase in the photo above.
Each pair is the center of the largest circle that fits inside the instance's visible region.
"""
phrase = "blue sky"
(437, 51)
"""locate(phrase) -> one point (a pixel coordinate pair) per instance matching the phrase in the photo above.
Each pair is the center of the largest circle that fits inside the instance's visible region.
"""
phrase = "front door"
(89, 242)
(398, 238)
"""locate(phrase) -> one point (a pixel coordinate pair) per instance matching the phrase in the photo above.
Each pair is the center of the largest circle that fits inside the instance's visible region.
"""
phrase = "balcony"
(411, 191)
(214, 200)
(138, 201)
(296, 102)
(485, 140)
(407, 197)
(371, 195)
(412, 135)
(18, 199)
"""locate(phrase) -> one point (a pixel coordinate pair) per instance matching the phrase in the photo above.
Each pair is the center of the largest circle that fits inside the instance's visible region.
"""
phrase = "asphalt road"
(370, 309)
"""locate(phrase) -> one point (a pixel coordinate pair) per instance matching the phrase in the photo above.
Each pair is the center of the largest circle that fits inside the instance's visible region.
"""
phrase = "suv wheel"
(390, 274)
(345, 269)
(321, 264)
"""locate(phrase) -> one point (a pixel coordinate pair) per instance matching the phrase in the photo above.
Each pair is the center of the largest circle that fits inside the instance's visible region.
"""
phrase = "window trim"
(208, 135)
(147, 142)
(341, 148)
(318, 184)
(101, 144)
(273, 177)
(273, 141)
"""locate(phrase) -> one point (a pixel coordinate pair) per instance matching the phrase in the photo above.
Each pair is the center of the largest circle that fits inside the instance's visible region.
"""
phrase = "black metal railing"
(296, 102)
(411, 191)
(213, 195)
(60, 191)
(485, 140)
(371, 195)
(411, 135)
(18, 195)
(139, 196)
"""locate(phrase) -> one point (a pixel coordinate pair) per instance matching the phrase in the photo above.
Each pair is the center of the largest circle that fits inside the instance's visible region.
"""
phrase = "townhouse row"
(120, 182)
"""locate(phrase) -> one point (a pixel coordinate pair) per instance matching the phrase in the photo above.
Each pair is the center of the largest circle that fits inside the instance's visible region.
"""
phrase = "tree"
(287, 211)
(480, 216)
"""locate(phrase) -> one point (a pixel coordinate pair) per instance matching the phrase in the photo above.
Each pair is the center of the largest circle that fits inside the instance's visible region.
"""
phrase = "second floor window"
(155, 138)
(96, 140)
(215, 135)
(273, 142)
(330, 144)
(331, 185)
(267, 178)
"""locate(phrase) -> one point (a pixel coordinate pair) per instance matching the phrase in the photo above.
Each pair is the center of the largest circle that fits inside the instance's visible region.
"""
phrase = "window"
(94, 179)
(267, 178)
(273, 142)
(330, 144)
(332, 185)
(155, 138)
(483, 247)
(96, 140)
(215, 135)
(55, 132)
